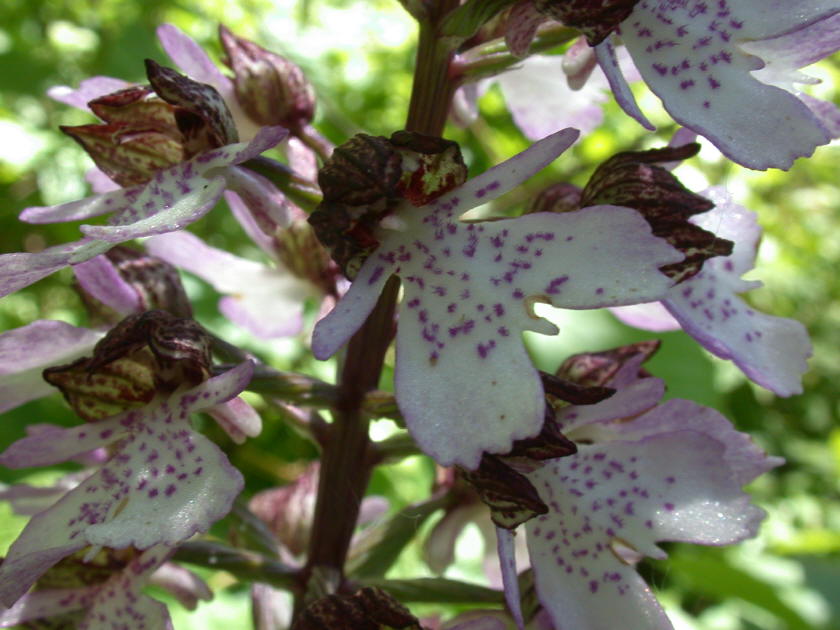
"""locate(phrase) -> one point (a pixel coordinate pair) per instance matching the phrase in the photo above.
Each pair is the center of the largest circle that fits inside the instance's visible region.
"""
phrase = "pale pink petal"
(541, 102)
(239, 419)
(651, 316)
(26, 351)
(187, 587)
(21, 269)
(250, 225)
(99, 182)
(268, 302)
(266, 203)
(88, 90)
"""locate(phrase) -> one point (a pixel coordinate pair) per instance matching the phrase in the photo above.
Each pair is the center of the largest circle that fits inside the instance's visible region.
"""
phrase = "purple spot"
(377, 273)
(668, 506)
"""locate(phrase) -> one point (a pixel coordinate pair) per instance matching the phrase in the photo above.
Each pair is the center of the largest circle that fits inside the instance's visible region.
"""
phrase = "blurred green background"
(359, 55)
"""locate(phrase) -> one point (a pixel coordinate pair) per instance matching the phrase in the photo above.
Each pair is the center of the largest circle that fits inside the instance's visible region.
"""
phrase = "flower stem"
(347, 457)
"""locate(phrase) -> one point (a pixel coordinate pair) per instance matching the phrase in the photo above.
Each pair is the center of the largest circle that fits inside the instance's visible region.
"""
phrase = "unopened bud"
(594, 18)
(556, 198)
(124, 281)
(635, 180)
(271, 89)
(596, 369)
(511, 497)
(141, 356)
(368, 177)
(301, 252)
(203, 118)
(140, 135)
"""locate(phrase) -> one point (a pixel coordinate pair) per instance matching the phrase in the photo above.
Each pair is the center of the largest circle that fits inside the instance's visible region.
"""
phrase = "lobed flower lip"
(702, 64)
(673, 472)
(463, 380)
(771, 351)
(163, 484)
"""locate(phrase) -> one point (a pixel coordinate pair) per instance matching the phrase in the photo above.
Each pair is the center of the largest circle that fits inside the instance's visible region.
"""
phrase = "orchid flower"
(108, 604)
(771, 351)
(164, 482)
(727, 70)
(644, 472)
(175, 197)
(463, 380)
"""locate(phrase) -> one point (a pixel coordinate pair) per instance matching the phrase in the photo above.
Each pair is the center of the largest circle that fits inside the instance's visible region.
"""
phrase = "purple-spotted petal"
(161, 210)
(772, 351)
(100, 279)
(521, 27)
(88, 90)
(26, 351)
(694, 62)
(612, 502)
(608, 60)
(469, 293)
(46, 603)
(266, 301)
(164, 483)
(87, 208)
(120, 599)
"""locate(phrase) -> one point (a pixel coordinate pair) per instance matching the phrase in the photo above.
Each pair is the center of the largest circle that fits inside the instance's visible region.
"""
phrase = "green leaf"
(710, 574)
(469, 17)
(382, 544)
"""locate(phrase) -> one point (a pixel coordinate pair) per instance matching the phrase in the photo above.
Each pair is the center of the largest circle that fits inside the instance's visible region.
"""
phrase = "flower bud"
(203, 118)
(141, 356)
(300, 251)
(594, 18)
(596, 369)
(556, 198)
(634, 179)
(271, 89)
(140, 135)
(368, 177)
(123, 281)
